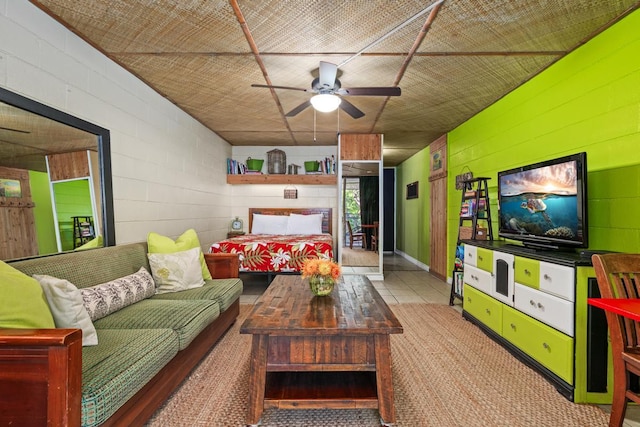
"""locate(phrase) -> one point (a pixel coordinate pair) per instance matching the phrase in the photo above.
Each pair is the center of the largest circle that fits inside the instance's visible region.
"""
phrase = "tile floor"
(405, 283)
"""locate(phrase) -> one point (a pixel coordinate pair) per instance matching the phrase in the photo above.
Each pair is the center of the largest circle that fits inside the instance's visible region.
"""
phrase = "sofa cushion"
(89, 268)
(178, 271)
(222, 291)
(120, 366)
(188, 240)
(22, 301)
(67, 307)
(186, 318)
(106, 298)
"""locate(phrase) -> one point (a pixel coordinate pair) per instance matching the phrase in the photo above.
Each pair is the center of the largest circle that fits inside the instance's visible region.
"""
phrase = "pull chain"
(314, 126)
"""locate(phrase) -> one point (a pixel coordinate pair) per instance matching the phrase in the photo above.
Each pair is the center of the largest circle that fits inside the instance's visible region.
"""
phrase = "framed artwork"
(290, 193)
(436, 160)
(10, 188)
(412, 190)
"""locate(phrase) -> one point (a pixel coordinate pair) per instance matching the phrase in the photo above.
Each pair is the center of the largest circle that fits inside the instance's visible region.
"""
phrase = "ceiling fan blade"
(351, 109)
(280, 87)
(370, 91)
(298, 109)
(327, 77)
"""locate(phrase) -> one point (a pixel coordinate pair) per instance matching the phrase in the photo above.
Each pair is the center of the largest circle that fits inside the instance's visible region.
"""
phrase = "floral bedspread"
(276, 253)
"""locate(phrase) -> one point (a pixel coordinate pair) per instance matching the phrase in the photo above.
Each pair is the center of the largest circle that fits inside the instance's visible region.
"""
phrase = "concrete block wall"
(169, 171)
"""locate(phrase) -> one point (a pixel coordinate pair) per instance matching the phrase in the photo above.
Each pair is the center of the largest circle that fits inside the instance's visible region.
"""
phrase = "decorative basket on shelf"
(276, 161)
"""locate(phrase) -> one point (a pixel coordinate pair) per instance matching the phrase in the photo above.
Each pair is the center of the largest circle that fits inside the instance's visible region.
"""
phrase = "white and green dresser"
(534, 303)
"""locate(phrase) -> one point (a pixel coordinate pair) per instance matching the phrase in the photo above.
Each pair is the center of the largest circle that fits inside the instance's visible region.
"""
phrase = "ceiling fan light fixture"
(325, 102)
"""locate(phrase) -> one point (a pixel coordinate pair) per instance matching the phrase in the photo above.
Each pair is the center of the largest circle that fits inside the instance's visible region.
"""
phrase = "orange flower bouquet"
(322, 275)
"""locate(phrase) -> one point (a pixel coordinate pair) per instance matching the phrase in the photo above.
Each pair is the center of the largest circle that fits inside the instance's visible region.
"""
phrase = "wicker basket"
(466, 233)
(276, 162)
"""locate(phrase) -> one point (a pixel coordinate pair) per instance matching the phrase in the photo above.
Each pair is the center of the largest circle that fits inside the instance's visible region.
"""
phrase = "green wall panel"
(412, 215)
(72, 199)
(43, 213)
(587, 101)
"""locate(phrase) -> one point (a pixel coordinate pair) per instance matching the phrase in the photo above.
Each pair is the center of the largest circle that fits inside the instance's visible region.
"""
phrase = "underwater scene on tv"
(541, 202)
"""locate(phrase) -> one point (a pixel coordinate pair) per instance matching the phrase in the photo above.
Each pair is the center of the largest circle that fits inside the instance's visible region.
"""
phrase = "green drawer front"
(483, 307)
(527, 272)
(485, 259)
(551, 348)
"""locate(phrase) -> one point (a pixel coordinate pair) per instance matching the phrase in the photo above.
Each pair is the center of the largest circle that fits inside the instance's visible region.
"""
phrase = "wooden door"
(438, 213)
(18, 238)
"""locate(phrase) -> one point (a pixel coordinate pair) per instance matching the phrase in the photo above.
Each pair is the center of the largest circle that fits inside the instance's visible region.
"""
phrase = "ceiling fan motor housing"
(317, 88)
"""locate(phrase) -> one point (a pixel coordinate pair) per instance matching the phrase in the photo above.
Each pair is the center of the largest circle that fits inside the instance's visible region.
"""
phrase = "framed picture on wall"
(436, 160)
(10, 188)
(412, 190)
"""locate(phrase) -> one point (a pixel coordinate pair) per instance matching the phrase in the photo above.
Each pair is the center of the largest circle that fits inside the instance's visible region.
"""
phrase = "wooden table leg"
(384, 379)
(257, 378)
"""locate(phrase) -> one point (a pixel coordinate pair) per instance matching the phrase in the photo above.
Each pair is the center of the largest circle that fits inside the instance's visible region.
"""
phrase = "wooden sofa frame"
(41, 369)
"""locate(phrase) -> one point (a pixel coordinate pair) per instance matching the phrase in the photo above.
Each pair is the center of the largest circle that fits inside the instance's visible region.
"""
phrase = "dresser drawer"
(470, 255)
(527, 272)
(551, 348)
(558, 280)
(477, 278)
(555, 312)
(484, 259)
(483, 307)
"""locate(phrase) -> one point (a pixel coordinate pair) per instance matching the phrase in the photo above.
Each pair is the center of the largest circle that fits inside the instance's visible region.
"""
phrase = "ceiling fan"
(327, 88)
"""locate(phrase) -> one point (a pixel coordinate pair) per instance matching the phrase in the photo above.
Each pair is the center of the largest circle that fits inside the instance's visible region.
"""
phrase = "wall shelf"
(327, 179)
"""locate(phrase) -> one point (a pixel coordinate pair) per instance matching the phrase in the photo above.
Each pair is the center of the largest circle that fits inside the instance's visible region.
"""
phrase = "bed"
(280, 239)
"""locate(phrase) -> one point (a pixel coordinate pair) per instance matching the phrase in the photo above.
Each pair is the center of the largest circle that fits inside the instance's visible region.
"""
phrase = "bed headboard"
(327, 220)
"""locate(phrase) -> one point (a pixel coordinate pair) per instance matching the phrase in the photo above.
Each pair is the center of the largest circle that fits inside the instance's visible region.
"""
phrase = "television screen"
(544, 204)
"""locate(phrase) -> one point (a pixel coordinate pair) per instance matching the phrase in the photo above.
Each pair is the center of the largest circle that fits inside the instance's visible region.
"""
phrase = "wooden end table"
(313, 352)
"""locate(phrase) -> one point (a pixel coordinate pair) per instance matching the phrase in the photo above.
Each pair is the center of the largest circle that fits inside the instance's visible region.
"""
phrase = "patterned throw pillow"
(101, 300)
(178, 271)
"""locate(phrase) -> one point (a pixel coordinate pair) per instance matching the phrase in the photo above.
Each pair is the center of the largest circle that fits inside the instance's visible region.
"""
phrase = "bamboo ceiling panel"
(197, 54)
(519, 26)
(311, 26)
(153, 26)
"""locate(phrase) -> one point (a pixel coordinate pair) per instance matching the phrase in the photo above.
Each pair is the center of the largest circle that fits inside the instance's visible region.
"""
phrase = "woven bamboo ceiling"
(451, 58)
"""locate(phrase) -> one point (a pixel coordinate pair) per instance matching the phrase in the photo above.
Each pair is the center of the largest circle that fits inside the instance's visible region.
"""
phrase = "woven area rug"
(446, 373)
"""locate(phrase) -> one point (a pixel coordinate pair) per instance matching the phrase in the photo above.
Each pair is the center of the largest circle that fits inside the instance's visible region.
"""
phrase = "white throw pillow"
(304, 224)
(101, 300)
(178, 271)
(269, 224)
(67, 307)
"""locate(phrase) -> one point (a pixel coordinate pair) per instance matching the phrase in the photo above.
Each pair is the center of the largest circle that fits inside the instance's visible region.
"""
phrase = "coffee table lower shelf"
(321, 390)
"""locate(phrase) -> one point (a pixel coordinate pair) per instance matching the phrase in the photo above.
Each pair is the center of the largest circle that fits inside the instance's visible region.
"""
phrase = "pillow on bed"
(269, 224)
(304, 224)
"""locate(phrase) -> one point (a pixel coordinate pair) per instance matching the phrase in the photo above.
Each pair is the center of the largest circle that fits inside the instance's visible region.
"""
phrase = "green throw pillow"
(22, 302)
(165, 245)
(91, 244)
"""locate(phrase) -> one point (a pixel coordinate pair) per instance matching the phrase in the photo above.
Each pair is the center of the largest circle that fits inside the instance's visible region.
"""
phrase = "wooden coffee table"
(329, 352)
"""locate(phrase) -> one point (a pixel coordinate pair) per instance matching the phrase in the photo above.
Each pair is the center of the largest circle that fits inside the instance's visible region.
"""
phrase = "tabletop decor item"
(322, 275)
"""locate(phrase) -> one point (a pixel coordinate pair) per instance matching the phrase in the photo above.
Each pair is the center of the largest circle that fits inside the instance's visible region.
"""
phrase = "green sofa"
(144, 350)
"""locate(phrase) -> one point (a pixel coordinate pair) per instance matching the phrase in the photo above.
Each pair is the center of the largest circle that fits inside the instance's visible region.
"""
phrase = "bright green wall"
(72, 199)
(588, 101)
(43, 212)
(412, 216)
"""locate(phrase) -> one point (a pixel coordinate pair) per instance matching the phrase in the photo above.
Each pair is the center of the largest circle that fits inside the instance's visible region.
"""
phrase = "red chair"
(619, 277)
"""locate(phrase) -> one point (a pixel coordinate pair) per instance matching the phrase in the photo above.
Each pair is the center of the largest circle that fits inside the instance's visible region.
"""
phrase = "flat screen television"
(545, 204)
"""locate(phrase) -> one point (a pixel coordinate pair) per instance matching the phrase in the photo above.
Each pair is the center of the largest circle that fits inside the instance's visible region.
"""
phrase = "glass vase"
(321, 285)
